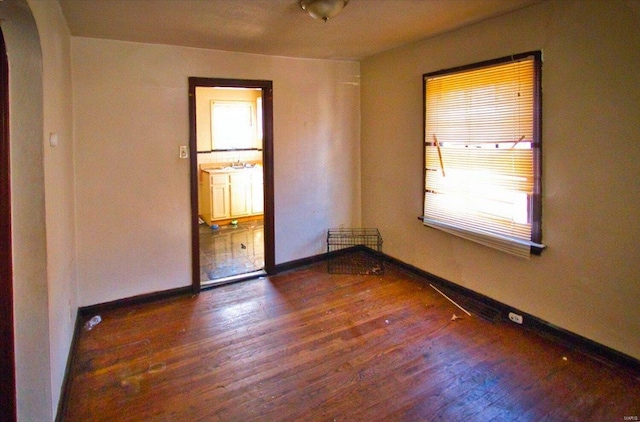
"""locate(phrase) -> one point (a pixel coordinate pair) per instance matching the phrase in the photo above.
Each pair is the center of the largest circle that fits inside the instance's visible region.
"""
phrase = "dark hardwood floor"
(306, 345)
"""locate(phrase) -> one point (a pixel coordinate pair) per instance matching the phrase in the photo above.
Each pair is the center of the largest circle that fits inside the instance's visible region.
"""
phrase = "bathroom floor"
(231, 250)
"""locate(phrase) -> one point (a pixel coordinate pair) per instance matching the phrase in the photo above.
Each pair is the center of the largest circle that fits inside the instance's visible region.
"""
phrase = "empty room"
(387, 210)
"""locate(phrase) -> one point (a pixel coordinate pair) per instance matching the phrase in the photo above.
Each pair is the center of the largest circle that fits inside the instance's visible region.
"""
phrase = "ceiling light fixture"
(323, 9)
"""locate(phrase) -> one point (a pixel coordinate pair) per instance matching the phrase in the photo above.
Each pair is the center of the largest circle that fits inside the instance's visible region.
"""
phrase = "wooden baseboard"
(484, 303)
(66, 381)
(579, 343)
(134, 300)
(81, 317)
(292, 265)
(530, 322)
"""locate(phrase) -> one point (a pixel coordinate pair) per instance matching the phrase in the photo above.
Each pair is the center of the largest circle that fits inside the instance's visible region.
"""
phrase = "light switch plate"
(53, 139)
(184, 151)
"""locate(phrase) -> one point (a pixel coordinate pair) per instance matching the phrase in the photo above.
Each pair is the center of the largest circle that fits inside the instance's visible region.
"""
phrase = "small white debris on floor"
(92, 323)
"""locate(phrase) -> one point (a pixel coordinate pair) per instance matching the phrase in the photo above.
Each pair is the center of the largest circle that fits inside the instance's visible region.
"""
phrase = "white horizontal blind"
(479, 137)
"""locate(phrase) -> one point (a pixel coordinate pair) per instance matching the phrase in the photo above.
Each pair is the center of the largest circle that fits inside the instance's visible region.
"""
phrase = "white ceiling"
(278, 27)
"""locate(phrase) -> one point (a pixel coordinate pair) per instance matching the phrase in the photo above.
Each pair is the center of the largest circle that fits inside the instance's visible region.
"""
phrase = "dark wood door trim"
(7, 354)
(267, 165)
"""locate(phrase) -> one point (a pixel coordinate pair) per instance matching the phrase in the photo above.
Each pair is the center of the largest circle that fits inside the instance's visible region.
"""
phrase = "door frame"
(7, 335)
(267, 168)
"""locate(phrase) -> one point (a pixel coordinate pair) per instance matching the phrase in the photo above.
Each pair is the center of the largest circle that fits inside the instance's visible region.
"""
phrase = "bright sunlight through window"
(482, 153)
(232, 124)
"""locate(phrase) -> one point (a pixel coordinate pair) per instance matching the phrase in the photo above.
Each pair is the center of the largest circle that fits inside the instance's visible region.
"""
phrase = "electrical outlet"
(515, 318)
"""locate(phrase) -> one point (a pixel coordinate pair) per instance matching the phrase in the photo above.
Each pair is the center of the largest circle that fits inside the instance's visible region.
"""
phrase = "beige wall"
(587, 280)
(41, 345)
(45, 291)
(59, 187)
(131, 114)
(132, 202)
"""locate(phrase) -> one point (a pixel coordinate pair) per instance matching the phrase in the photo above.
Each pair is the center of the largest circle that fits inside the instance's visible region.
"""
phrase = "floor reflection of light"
(255, 308)
(237, 310)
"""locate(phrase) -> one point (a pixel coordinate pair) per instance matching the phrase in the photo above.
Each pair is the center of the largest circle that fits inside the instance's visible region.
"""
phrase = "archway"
(29, 394)
(7, 354)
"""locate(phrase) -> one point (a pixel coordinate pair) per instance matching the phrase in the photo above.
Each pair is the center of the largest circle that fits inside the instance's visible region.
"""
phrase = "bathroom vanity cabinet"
(231, 193)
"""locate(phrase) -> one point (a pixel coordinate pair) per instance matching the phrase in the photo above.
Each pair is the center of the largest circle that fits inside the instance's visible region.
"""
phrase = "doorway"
(231, 180)
(7, 358)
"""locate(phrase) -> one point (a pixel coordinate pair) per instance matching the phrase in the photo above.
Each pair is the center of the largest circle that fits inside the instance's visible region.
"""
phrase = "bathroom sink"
(231, 167)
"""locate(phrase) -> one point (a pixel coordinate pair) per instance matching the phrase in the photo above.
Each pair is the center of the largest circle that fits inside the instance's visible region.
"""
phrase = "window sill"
(535, 248)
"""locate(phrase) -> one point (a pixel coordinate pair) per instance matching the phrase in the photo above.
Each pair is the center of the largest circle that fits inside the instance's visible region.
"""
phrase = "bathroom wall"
(204, 97)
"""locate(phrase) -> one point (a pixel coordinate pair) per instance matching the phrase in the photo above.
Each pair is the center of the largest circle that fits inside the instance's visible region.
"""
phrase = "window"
(482, 153)
(232, 125)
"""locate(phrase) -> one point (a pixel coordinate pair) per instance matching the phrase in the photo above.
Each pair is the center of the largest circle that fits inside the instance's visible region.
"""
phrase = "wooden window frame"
(535, 203)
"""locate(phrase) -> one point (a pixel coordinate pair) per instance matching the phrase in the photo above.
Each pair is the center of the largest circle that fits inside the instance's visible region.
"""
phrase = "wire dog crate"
(354, 258)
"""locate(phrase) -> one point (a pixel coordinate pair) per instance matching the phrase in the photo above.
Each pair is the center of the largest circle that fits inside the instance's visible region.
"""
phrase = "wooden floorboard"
(306, 345)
